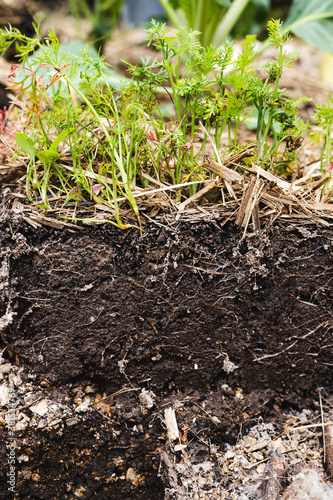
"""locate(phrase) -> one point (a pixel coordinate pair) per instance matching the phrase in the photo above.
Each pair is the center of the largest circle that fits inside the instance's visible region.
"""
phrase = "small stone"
(42, 423)
(26, 474)
(5, 368)
(229, 366)
(55, 422)
(239, 393)
(147, 400)
(249, 441)
(17, 381)
(22, 422)
(133, 477)
(80, 491)
(72, 421)
(4, 395)
(45, 383)
(260, 468)
(41, 408)
(83, 407)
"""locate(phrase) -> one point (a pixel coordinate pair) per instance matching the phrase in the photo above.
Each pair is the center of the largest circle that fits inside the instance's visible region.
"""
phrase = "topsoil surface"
(225, 329)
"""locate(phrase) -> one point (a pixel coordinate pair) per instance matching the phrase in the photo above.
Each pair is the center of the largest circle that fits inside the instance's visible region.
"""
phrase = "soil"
(225, 329)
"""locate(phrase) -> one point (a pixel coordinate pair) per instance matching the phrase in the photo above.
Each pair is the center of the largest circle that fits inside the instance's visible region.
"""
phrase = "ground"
(229, 331)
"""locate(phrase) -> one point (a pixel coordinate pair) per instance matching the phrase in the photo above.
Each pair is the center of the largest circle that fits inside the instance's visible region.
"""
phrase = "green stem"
(200, 18)
(175, 95)
(229, 20)
(171, 13)
(40, 121)
(322, 160)
(328, 147)
(209, 31)
(292, 26)
(315, 16)
(236, 132)
(229, 135)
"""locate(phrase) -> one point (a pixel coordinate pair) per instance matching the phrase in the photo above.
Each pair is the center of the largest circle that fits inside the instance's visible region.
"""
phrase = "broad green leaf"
(312, 20)
(26, 144)
(60, 138)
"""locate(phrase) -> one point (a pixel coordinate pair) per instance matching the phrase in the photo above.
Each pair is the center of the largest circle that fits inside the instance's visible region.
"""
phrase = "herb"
(89, 141)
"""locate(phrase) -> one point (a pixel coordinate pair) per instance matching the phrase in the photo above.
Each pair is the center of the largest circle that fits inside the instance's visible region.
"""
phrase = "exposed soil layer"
(191, 312)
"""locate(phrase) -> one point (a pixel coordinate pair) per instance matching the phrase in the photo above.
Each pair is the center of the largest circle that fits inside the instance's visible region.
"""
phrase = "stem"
(315, 16)
(259, 125)
(229, 135)
(328, 147)
(171, 13)
(175, 95)
(322, 160)
(296, 24)
(219, 132)
(200, 18)
(194, 11)
(229, 20)
(209, 31)
(48, 142)
(235, 136)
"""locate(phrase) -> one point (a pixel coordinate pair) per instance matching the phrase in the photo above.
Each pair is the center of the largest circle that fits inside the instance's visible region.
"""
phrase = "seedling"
(121, 139)
(324, 119)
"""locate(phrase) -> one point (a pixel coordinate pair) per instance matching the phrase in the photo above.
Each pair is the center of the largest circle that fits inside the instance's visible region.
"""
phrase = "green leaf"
(60, 138)
(223, 3)
(313, 22)
(71, 52)
(26, 144)
(262, 4)
(46, 157)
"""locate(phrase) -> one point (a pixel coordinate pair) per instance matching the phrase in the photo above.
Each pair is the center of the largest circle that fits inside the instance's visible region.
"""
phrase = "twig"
(121, 391)
(328, 448)
(322, 421)
(272, 477)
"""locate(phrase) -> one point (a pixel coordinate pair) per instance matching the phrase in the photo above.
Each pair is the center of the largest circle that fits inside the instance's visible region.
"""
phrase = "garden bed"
(188, 354)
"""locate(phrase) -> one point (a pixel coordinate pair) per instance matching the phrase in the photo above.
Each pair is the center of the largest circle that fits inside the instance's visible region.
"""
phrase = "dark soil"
(173, 312)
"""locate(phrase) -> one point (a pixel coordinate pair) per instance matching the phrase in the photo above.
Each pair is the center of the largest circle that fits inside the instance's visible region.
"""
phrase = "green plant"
(47, 157)
(212, 19)
(103, 15)
(88, 141)
(324, 119)
(276, 113)
(215, 19)
(49, 56)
